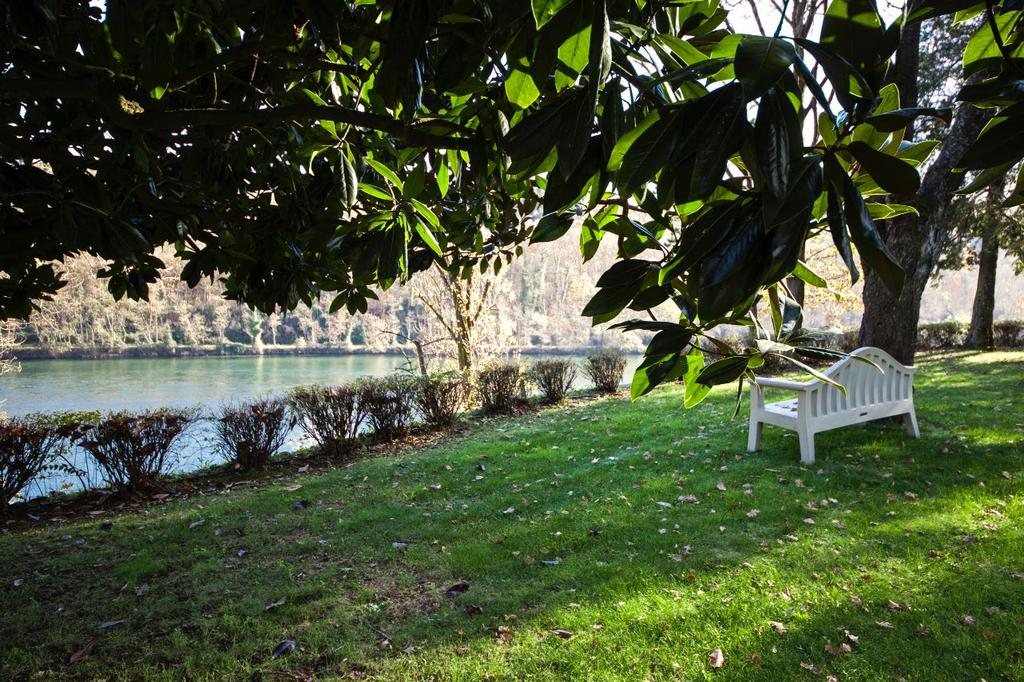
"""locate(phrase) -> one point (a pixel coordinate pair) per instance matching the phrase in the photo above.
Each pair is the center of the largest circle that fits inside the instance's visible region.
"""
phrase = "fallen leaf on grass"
(720, 486)
(106, 625)
(284, 648)
(503, 634)
(843, 648)
(922, 630)
(564, 634)
(274, 605)
(716, 659)
(966, 620)
(84, 652)
(884, 624)
(811, 668)
(474, 610)
(458, 588)
(197, 523)
(777, 626)
(142, 589)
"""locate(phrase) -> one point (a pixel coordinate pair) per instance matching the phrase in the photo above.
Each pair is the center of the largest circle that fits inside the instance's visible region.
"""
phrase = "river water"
(203, 382)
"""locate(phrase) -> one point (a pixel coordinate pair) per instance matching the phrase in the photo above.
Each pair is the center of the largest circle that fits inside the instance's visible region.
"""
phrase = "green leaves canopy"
(293, 148)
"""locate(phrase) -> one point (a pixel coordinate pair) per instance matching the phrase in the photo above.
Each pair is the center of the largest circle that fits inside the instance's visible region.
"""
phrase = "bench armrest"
(766, 382)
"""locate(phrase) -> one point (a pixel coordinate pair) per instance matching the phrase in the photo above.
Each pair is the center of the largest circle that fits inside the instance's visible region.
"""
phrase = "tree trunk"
(890, 322)
(980, 333)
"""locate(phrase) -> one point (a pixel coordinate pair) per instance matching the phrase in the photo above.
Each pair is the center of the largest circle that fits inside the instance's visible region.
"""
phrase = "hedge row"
(133, 451)
(949, 335)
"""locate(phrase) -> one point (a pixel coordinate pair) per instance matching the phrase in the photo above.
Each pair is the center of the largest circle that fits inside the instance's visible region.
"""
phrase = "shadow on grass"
(666, 584)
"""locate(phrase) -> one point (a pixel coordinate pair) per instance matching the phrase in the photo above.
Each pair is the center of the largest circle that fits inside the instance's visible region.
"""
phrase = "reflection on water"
(204, 382)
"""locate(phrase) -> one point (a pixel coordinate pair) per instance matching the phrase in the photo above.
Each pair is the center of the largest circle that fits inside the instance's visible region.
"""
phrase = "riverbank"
(598, 540)
(29, 353)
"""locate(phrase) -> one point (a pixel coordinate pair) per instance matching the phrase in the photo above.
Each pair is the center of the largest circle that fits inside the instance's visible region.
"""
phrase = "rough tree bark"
(980, 333)
(890, 322)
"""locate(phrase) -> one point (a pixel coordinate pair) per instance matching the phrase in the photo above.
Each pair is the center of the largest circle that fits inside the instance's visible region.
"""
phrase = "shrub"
(388, 403)
(605, 368)
(250, 433)
(501, 386)
(330, 416)
(554, 378)
(27, 447)
(1008, 334)
(134, 448)
(440, 398)
(941, 335)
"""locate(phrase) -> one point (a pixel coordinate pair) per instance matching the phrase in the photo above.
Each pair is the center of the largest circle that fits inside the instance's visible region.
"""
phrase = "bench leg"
(910, 423)
(806, 445)
(754, 434)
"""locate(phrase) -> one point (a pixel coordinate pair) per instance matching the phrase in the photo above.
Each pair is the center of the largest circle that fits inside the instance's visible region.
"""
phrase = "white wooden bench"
(870, 394)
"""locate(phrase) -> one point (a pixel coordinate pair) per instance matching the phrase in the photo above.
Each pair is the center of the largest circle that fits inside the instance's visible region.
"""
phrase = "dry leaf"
(458, 588)
(285, 647)
(716, 659)
(966, 620)
(777, 626)
(564, 634)
(84, 652)
(721, 486)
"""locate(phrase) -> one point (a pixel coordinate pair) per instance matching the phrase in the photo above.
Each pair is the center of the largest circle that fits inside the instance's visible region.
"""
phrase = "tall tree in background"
(890, 318)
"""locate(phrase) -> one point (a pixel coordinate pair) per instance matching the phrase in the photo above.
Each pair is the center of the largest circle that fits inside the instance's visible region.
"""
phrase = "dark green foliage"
(250, 433)
(605, 368)
(388, 404)
(554, 378)
(941, 335)
(1008, 334)
(441, 398)
(331, 416)
(134, 449)
(290, 156)
(501, 387)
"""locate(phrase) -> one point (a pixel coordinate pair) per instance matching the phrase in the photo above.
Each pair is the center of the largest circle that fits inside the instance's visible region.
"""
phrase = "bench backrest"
(865, 385)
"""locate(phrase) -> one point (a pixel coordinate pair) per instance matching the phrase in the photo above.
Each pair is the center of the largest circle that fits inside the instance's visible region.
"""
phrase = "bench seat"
(876, 386)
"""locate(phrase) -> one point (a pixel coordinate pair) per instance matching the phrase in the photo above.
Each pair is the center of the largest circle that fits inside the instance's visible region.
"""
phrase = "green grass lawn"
(891, 558)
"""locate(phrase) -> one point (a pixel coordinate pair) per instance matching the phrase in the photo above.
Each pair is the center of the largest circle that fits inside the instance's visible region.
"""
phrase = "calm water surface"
(204, 382)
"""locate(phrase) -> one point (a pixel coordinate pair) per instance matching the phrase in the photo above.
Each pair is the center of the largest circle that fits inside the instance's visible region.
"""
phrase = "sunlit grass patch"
(599, 540)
